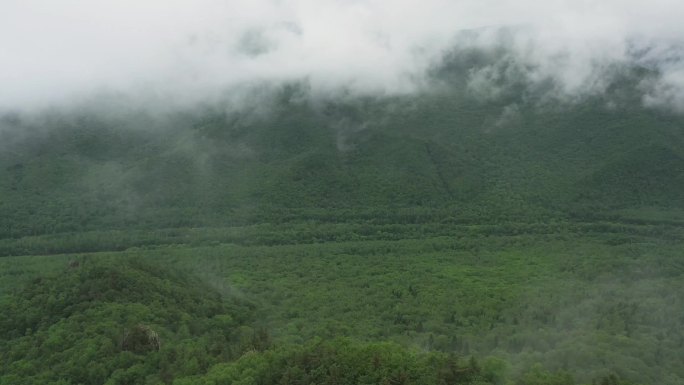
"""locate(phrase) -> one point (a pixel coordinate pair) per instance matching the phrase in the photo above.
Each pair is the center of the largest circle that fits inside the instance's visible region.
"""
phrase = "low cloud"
(179, 52)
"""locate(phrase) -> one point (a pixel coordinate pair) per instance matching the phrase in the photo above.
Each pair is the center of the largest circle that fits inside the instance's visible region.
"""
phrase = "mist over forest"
(327, 192)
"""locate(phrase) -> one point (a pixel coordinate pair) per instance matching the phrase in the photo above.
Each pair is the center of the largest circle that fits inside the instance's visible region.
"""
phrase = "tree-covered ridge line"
(618, 231)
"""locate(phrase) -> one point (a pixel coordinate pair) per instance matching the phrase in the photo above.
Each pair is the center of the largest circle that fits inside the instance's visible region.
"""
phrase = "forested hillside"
(291, 157)
(450, 235)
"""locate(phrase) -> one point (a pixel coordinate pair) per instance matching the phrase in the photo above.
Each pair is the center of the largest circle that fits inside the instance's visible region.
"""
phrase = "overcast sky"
(54, 51)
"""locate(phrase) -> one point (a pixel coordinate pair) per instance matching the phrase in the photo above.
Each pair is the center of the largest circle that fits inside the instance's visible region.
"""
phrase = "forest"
(429, 238)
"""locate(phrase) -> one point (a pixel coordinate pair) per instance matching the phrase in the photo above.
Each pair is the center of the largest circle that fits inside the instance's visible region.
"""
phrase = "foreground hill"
(112, 319)
(118, 322)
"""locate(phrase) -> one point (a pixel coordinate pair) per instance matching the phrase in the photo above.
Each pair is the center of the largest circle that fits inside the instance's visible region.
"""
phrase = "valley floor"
(591, 299)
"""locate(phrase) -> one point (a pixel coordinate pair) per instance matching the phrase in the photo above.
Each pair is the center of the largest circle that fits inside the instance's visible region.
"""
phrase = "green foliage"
(118, 322)
(583, 303)
(344, 362)
(434, 226)
(437, 150)
(538, 376)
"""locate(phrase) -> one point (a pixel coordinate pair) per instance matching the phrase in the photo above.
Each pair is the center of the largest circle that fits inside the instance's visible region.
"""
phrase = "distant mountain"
(520, 154)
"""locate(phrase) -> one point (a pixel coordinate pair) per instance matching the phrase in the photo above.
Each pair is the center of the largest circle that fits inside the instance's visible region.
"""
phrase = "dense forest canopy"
(443, 153)
(500, 207)
(538, 241)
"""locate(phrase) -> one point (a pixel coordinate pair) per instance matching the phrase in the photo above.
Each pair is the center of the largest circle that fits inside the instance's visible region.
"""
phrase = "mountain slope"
(504, 158)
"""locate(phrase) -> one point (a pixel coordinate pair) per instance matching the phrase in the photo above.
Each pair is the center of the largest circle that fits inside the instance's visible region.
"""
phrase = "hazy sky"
(55, 51)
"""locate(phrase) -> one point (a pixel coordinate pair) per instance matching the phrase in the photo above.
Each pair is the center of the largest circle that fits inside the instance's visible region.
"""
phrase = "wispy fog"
(54, 52)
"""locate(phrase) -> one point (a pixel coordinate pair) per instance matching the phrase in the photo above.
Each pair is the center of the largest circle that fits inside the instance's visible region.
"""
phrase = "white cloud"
(57, 50)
